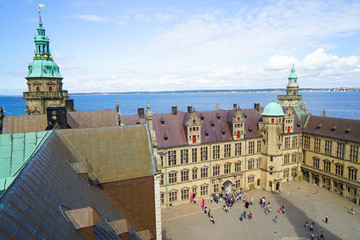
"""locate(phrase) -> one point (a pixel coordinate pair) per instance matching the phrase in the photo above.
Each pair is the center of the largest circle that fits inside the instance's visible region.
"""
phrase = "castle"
(153, 160)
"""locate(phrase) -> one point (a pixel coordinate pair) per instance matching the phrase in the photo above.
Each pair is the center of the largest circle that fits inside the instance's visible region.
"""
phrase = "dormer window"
(162, 121)
(333, 128)
(138, 121)
(222, 131)
(212, 124)
(298, 124)
(165, 137)
(318, 126)
(218, 116)
(348, 130)
(250, 129)
(206, 133)
(202, 117)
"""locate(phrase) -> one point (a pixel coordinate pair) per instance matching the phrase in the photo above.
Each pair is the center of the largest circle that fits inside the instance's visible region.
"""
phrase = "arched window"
(39, 49)
(50, 89)
(37, 89)
(43, 48)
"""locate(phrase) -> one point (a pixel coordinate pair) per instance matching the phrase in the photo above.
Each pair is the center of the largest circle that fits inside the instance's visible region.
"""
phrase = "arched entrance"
(277, 186)
(227, 186)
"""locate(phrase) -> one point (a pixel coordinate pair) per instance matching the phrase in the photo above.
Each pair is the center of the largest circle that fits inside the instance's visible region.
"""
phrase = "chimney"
(257, 106)
(84, 220)
(57, 115)
(141, 113)
(234, 106)
(174, 110)
(189, 109)
(69, 103)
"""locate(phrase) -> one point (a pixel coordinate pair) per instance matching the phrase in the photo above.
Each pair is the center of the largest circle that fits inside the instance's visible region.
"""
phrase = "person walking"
(283, 210)
(276, 219)
(244, 214)
(241, 217)
(212, 219)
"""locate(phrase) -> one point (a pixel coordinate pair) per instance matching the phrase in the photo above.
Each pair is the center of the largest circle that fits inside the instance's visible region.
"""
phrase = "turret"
(292, 97)
(193, 126)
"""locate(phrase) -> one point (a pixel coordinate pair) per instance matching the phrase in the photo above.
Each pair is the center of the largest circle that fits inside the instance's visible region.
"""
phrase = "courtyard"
(302, 201)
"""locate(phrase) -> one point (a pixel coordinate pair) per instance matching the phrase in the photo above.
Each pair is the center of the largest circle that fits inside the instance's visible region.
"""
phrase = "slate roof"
(115, 153)
(31, 207)
(15, 150)
(339, 128)
(174, 126)
(24, 123)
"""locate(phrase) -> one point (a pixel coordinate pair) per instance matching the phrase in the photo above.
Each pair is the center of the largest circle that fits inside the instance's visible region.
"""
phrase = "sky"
(144, 45)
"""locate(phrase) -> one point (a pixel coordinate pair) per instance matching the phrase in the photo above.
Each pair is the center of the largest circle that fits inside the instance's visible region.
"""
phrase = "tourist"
(194, 200)
(241, 217)
(283, 209)
(321, 235)
(202, 203)
(211, 199)
(352, 211)
(226, 208)
(307, 225)
(312, 236)
(250, 215)
(251, 201)
(212, 219)
(244, 214)
(276, 219)
(312, 226)
(280, 209)
(209, 213)
(205, 210)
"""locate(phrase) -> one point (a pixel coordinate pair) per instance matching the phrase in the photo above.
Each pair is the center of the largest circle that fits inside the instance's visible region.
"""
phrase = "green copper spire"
(43, 64)
(293, 74)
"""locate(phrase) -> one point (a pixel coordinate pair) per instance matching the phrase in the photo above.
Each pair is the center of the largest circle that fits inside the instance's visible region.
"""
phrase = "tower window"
(43, 48)
(194, 121)
(279, 120)
(50, 89)
(272, 120)
(194, 139)
(37, 89)
(39, 49)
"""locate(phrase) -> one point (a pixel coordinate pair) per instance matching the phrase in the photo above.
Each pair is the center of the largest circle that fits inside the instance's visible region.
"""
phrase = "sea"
(336, 104)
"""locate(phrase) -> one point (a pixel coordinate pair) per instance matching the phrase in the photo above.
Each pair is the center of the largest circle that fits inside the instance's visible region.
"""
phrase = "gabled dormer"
(238, 125)
(289, 121)
(193, 126)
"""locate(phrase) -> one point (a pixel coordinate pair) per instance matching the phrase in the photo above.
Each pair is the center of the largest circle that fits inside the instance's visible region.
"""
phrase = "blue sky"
(112, 45)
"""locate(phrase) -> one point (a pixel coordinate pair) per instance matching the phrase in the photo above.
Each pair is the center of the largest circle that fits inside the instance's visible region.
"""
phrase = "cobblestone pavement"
(302, 201)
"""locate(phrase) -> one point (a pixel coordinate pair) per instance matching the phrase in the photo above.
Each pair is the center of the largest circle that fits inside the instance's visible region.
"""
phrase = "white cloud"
(89, 17)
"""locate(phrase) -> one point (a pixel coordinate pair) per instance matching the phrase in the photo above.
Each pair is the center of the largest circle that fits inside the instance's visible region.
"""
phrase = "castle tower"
(292, 90)
(44, 80)
(272, 129)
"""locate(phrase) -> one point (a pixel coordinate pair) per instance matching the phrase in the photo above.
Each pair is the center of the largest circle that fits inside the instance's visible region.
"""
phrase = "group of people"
(243, 215)
(265, 205)
(313, 235)
(207, 211)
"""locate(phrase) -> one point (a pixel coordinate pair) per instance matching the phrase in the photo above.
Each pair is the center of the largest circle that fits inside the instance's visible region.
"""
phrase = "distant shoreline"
(268, 90)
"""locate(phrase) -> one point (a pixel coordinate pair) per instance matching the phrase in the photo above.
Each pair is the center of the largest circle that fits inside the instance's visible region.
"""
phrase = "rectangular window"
(185, 175)
(204, 153)
(251, 164)
(162, 160)
(172, 158)
(227, 168)
(293, 157)
(172, 177)
(194, 173)
(328, 146)
(286, 158)
(306, 142)
(184, 156)
(295, 141)
(162, 179)
(237, 183)
(258, 146)
(216, 188)
(162, 198)
(194, 189)
(293, 171)
(327, 165)
(340, 150)
(339, 169)
(258, 161)
(286, 173)
(237, 149)
(354, 152)
(300, 157)
(172, 196)
(251, 179)
(216, 152)
(216, 170)
(251, 147)
(353, 174)
(287, 142)
(227, 150)
(185, 194)
(204, 189)
(316, 162)
(204, 172)
(194, 154)
(317, 142)
(237, 166)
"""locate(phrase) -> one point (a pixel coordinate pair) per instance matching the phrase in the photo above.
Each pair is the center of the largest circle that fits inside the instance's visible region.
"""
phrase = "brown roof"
(24, 123)
(33, 206)
(340, 128)
(132, 120)
(93, 119)
(174, 126)
(115, 153)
